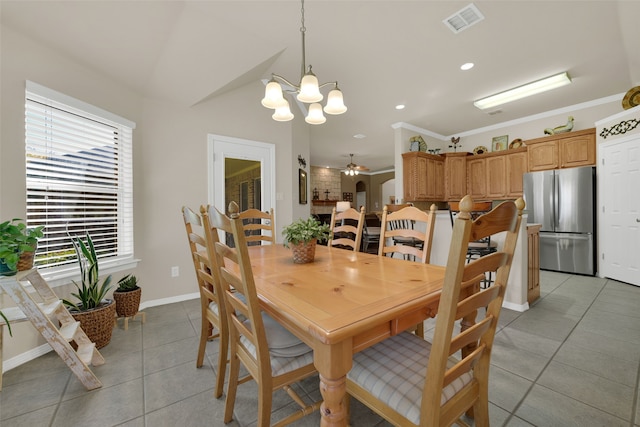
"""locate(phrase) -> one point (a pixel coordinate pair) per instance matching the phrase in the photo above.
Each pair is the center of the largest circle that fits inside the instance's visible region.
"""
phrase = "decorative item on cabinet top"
(631, 98)
(560, 129)
(454, 143)
(516, 143)
(417, 144)
(480, 149)
(499, 143)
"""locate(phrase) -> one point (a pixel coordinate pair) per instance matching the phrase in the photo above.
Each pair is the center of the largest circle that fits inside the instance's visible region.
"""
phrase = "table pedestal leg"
(332, 410)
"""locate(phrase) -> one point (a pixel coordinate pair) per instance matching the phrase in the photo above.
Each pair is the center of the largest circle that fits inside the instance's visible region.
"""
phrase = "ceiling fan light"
(272, 95)
(283, 113)
(315, 116)
(335, 103)
(309, 88)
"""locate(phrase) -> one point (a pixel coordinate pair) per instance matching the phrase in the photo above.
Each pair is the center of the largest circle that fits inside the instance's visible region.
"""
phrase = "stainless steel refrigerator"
(563, 201)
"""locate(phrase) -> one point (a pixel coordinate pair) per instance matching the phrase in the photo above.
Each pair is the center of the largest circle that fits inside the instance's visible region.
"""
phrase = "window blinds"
(79, 180)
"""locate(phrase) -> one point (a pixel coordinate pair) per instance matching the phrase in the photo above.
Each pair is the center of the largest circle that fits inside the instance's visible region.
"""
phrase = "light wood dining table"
(340, 304)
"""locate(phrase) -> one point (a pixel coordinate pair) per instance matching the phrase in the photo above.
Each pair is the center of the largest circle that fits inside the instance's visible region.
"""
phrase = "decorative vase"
(26, 260)
(98, 323)
(127, 302)
(304, 252)
(6, 271)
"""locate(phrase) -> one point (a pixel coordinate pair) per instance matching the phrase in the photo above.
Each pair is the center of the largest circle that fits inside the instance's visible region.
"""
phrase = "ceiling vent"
(464, 18)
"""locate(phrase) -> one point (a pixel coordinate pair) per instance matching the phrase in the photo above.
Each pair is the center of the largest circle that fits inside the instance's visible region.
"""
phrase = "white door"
(619, 190)
(224, 147)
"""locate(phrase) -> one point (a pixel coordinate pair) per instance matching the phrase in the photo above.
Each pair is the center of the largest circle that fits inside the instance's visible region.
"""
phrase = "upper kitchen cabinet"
(565, 150)
(423, 177)
(516, 166)
(455, 176)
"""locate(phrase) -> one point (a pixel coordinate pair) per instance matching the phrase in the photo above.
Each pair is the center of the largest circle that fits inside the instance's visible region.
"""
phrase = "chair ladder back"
(258, 226)
(248, 337)
(461, 299)
(236, 277)
(398, 233)
(343, 229)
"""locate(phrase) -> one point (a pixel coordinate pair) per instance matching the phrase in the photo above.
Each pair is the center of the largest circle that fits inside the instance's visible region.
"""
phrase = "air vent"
(493, 113)
(464, 18)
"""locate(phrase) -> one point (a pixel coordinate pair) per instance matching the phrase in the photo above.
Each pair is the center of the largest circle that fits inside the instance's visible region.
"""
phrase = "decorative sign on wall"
(347, 197)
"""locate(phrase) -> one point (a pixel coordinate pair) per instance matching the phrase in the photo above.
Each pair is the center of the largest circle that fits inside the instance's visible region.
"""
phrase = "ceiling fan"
(353, 169)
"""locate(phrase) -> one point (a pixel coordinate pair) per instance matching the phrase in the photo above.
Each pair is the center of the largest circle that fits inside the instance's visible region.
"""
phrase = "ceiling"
(382, 53)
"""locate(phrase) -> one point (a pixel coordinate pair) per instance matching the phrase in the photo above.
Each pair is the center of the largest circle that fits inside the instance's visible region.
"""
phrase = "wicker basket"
(304, 252)
(128, 302)
(26, 260)
(98, 323)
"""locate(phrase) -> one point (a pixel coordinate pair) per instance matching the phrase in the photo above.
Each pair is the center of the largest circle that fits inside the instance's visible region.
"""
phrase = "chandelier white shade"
(523, 91)
(308, 92)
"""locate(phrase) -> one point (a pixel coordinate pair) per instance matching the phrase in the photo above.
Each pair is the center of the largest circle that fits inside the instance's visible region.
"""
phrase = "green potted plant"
(94, 312)
(302, 236)
(127, 296)
(15, 239)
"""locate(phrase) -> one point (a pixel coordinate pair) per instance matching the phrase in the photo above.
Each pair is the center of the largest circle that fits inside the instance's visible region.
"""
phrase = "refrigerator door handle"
(556, 202)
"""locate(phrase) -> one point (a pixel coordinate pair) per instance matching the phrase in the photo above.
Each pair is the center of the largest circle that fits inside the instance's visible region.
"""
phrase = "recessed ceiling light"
(400, 107)
(359, 136)
(466, 66)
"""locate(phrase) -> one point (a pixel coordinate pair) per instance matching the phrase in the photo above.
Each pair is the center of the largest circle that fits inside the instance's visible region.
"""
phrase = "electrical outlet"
(175, 271)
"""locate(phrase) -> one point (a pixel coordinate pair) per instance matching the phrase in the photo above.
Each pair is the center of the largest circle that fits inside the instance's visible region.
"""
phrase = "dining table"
(342, 303)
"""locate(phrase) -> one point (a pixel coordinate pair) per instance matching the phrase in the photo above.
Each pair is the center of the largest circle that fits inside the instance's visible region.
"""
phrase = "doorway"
(251, 163)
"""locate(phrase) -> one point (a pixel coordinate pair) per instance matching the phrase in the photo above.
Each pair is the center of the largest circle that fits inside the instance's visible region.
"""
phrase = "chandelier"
(308, 92)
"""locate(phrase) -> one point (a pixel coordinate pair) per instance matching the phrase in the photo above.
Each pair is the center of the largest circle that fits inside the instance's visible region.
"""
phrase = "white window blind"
(79, 179)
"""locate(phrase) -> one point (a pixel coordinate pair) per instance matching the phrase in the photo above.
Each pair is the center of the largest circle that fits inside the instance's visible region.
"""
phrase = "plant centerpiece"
(94, 312)
(16, 239)
(127, 296)
(302, 236)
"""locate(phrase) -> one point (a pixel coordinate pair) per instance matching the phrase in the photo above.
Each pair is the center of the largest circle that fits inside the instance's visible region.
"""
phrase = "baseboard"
(36, 352)
(516, 307)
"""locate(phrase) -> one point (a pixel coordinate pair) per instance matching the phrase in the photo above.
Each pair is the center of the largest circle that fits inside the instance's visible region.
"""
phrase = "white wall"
(170, 163)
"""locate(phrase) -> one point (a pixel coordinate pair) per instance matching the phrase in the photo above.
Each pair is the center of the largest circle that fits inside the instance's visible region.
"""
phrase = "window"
(79, 178)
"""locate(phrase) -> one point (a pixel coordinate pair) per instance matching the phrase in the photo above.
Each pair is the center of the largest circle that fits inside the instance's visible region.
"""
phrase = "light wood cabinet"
(423, 177)
(533, 270)
(516, 166)
(496, 177)
(562, 151)
(477, 178)
(455, 176)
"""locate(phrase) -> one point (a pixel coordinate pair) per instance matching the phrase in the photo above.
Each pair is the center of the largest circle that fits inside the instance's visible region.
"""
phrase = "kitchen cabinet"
(533, 264)
(566, 150)
(516, 166)
(496, 172)
(476, 178)
(423, 176)
(455, 176)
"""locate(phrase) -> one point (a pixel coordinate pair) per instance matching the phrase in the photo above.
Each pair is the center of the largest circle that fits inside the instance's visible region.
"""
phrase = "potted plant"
(94, 312)
(127, 296)
(302, 236)
(16, 239)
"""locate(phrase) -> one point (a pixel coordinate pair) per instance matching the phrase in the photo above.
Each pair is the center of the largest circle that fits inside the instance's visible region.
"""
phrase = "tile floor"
(571, 360)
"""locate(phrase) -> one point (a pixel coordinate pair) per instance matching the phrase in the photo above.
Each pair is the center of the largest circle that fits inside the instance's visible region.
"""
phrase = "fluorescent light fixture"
(523, 91)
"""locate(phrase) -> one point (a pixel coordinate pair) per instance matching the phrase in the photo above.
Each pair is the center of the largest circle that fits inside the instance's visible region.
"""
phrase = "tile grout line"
(535, 381)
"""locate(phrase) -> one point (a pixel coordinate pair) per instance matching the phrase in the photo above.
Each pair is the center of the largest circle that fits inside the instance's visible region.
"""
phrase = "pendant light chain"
(303, 31)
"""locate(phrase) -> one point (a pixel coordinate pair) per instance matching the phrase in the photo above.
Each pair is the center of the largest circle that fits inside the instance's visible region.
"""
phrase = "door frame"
(220, 147)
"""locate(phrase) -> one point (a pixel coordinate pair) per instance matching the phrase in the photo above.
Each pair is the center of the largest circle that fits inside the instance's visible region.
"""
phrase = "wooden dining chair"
(481, 247)
(258, 226)
(345, 225)
(212, 309)
(399, 234)
(272, 355)
(412, 382)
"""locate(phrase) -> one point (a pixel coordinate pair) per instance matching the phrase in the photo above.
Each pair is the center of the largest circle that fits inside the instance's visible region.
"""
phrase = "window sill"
(61, 277)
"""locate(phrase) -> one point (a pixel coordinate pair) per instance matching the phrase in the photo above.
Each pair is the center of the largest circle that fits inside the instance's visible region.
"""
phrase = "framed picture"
(499, 143)
(302, 186)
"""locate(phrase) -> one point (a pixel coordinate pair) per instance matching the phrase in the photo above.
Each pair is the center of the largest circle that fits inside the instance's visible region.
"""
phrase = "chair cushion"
(394, 371)
(282, 343)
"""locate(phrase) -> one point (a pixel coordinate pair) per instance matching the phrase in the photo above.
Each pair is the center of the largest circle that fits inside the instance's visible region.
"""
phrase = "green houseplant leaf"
(305, 230)
(91, 293)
